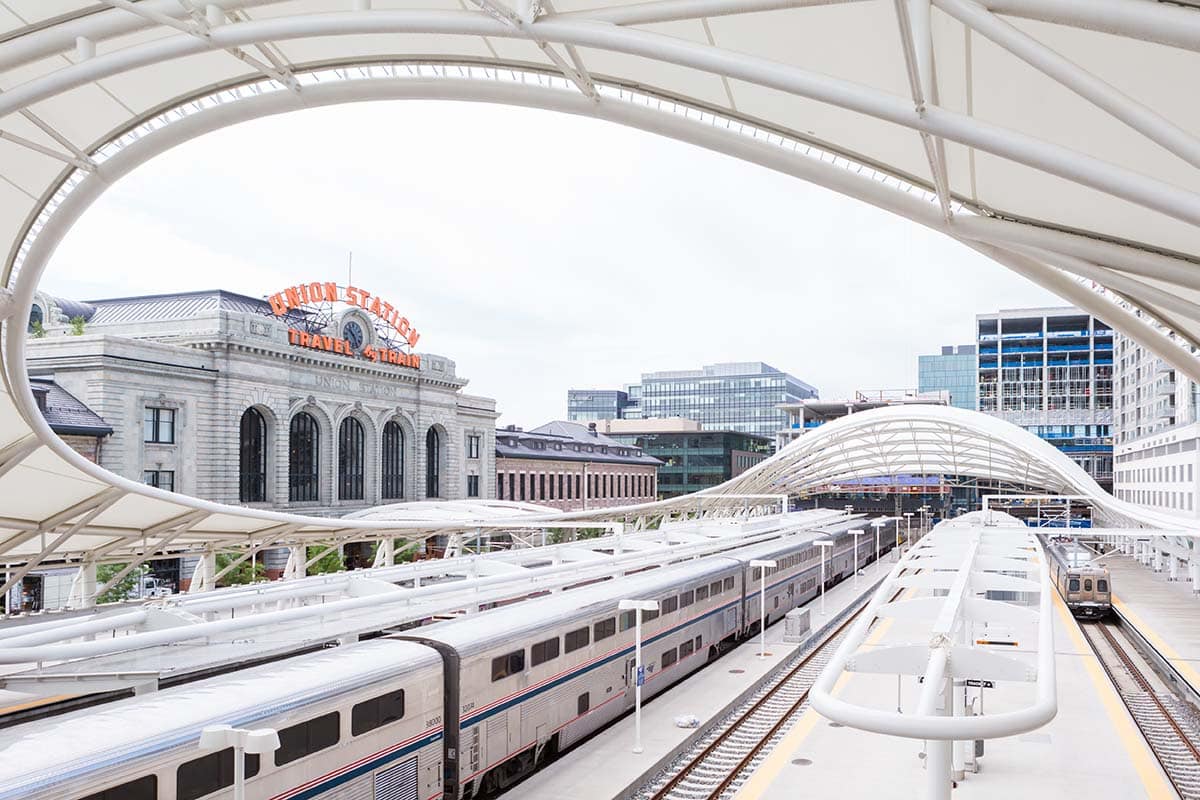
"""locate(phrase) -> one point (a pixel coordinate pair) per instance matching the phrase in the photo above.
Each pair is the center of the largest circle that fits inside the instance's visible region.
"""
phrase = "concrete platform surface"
(1091, 749)
(605, 767)
(1166, 612)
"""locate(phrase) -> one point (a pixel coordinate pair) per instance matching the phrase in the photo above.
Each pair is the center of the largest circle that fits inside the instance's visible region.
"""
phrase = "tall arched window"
(304, 459)
(351, 460)
(433, 464)
(393, 461)
(253, 457)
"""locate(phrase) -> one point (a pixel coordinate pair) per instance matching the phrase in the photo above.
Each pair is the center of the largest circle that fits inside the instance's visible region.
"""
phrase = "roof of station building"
(1060, 139)
(568, 441)
(66, 413)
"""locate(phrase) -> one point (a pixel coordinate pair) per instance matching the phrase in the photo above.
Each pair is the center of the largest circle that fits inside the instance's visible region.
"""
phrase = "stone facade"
(208, 357)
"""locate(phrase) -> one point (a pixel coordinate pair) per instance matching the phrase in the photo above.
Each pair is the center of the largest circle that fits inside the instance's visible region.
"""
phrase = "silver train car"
(454, 709)
(1086, 587)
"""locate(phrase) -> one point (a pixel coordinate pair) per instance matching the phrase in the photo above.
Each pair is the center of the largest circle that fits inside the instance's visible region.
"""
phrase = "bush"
(77, 323)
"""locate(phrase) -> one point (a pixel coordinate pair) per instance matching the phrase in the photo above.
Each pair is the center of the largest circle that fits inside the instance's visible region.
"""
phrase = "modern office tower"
(1157, 432)
(590, 405)
(741, 396)
(953, 371)
(1050, 370)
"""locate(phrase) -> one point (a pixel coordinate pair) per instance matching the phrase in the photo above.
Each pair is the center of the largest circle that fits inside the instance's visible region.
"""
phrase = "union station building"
(313, 400)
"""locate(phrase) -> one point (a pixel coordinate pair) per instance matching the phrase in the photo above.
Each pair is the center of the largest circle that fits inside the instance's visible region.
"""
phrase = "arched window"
(35, 318)
(393, 461)
(253, 458)
(432, 463)
(351, 460)
(304, 460)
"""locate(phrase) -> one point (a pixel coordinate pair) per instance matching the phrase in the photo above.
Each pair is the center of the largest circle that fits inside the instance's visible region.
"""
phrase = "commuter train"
(453, 709)
(1086, 587)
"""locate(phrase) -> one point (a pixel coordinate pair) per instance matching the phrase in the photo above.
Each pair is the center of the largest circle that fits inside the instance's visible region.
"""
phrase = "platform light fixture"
(825, 545)
(639, 677)
(877, 525)
(259, 741)
(857, 532)
(763, 565)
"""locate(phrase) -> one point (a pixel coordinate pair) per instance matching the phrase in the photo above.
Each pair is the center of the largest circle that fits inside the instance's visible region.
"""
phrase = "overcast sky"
(542, 251)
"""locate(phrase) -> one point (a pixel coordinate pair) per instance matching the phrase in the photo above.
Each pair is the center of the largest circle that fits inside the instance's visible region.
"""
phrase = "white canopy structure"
(1058, 137)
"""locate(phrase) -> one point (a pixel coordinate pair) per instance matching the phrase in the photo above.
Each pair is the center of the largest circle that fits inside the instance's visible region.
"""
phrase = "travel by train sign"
(321, 323)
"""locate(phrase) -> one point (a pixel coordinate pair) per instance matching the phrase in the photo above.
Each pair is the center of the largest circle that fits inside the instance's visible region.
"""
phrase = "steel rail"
(743, 717)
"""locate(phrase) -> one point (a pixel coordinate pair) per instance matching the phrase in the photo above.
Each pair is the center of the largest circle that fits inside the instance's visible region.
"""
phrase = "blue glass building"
(954, 371)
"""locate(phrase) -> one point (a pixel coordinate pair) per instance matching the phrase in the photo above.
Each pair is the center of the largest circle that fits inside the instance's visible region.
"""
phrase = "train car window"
(508, 664)
(687, 598)
(715, 588)
(1087, 585)
(669, 658)
(670, 605)
(605, 628)
(576, 639)
(1102, 585)
(209, 773)
(542, 652)
(1073, 585)
(627, 620)
(728, 584)
(583, 703)
(376, 712)
(307, 738)
(698, 640)
(145, 788)
(649, 615)
(687, 648)
(701, 593)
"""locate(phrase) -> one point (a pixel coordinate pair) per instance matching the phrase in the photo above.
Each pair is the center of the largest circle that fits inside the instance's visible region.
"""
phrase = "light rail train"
(1086, 587)
(453, 709)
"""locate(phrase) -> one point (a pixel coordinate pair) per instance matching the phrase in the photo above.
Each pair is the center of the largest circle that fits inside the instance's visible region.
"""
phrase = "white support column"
(385, 553)
(1194, 569)
(83, 587)
(295, 567)
(1173, 567)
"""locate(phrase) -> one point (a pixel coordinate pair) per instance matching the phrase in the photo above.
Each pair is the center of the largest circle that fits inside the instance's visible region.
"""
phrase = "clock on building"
(353, 333)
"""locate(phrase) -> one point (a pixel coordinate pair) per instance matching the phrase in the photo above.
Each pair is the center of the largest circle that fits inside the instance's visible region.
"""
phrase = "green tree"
(122, 588)
(37, 330)
(77, 325)
(330, 562)
(241, 573)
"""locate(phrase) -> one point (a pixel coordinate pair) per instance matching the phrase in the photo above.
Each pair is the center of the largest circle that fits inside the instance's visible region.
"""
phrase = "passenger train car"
(453, 709)
(1086, 587)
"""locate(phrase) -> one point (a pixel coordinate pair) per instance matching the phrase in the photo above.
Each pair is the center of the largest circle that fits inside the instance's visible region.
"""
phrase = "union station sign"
(347, 331)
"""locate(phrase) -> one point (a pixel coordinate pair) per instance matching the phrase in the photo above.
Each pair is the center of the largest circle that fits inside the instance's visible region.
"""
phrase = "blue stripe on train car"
(336, 780)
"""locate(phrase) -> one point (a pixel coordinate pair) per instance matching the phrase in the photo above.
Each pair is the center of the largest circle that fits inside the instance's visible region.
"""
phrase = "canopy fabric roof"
(1058, 137)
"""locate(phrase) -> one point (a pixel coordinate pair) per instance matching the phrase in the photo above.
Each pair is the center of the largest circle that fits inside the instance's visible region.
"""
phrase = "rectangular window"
(508, 664)
(473, 446)
(307, 738)
(542, 652)
(714, 588)
(542, 486)
(628, 620)
(669, 605)
(209, 774)
(605, 628)
(686, 649)
(583, 703)
(728, 584)
(142, 789)
(575, 639)
(561, 496)
(578, 480)
(376, 712)
(701, 593)
(669, 657)
(687, 598)
(698, 641)
(472, 486)
(158, 425)
(160, 479)
(521, 481)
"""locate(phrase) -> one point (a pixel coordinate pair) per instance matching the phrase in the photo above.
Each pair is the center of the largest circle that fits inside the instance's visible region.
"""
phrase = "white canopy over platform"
(1058, 137)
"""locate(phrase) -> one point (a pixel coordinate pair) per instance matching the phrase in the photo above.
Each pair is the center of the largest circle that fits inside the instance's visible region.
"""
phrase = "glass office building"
(953, 371)
(590, 405)
(741, 397)
(695, 460)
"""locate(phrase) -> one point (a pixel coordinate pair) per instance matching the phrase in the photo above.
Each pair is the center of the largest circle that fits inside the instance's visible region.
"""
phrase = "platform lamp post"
(878, 525)
(763, 565)
(925, 509)
(824, 544)
(639, 677)
(260, 742)
(857, 532)
(908, 528)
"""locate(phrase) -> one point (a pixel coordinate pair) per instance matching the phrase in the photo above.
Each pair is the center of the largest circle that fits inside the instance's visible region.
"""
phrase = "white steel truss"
(1043, 132)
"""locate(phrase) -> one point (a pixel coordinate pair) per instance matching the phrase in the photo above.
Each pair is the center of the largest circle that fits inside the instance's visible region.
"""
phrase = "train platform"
(1165, 612)
(605, 767)
(1091, 749)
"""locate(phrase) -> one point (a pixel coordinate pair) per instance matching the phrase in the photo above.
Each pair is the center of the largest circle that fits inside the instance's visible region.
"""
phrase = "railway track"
(723, 759)
(1170, 725)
